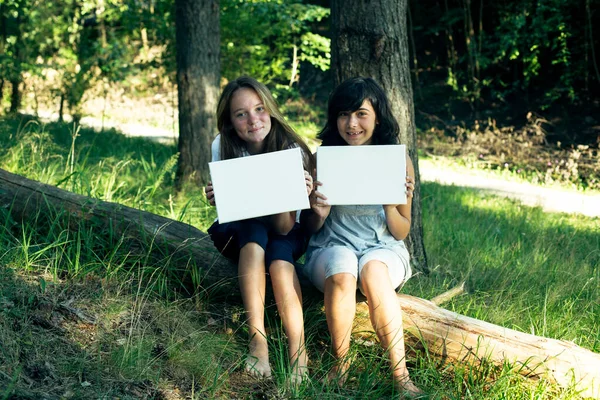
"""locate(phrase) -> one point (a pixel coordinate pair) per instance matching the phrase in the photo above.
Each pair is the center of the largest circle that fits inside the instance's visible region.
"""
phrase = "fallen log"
(458, 338)
(27, 200)
(453, 337)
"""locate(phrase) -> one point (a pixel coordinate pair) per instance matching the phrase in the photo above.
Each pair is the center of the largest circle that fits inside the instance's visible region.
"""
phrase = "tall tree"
(197, 47)
(369, 38)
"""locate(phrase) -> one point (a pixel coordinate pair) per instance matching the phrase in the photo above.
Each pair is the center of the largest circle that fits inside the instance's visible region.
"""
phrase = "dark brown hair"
(349, 96)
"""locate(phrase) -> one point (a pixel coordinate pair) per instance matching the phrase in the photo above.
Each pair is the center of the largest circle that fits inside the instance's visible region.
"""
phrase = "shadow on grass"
(93, 337)
(48, 343)
(108, 143)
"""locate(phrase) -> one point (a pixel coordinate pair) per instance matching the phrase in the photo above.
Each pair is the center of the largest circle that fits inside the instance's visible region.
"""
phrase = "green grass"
(526, 269)
(143, 336)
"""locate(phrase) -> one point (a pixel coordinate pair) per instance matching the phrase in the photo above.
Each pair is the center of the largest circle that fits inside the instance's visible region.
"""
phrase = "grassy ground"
(82, 316)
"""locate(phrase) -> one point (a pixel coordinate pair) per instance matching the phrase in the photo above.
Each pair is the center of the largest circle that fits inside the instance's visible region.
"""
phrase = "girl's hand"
(309, 183)
(410, 186)
(210, 194)
(318, 202)
(410, 189)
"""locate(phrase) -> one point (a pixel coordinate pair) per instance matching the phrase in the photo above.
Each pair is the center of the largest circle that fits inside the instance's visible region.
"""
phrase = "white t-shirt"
(215, 149)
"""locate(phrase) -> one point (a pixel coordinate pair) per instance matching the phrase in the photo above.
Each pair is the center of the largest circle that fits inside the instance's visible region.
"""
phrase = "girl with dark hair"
(361, 246)
(250, 123)
(350, 96)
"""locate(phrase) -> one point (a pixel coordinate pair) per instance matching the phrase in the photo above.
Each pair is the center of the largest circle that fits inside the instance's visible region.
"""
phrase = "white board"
(354, 175)
(255, 186)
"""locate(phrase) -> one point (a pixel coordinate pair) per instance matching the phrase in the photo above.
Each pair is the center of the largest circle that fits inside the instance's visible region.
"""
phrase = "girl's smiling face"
(356, 127)
(250, 118)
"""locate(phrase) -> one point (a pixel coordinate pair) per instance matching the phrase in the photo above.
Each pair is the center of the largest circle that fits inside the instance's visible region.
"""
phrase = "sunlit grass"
(525, 269)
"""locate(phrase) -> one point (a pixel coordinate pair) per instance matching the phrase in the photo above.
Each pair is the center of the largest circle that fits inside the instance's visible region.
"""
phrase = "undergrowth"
(522, 152)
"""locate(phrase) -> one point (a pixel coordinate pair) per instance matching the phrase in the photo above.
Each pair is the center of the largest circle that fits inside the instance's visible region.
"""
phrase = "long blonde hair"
(280, 137)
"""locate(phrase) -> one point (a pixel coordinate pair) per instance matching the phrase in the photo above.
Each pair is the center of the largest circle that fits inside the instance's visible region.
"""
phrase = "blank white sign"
(354, 175)
(255, 186)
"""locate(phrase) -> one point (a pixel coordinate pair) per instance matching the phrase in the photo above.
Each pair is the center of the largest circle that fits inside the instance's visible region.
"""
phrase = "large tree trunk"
(370, 39)
(15, 75)
(197, 44)
(3, 35)
(453, 337)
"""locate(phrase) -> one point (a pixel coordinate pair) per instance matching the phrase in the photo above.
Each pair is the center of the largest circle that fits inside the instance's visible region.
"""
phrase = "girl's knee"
(252, 249)
(373, 273)
(278, 267)
(344, 281)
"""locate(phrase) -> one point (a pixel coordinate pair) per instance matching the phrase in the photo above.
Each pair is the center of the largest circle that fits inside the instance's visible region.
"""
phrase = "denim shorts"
(230, 237)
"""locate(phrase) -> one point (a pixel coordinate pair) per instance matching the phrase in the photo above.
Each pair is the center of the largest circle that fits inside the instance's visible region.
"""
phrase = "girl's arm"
(398, 215)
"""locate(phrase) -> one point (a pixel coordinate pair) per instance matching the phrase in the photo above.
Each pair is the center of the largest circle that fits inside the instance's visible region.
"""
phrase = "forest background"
(512, 87)
(493, 80)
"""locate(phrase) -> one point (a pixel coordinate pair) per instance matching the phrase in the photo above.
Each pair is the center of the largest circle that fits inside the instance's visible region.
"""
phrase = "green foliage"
(533, 51)
(258, 38)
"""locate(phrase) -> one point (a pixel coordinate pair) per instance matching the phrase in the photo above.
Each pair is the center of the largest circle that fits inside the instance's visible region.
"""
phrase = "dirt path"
(550, 199)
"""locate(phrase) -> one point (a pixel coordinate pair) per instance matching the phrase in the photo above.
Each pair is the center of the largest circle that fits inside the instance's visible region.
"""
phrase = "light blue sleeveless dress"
(361, 230)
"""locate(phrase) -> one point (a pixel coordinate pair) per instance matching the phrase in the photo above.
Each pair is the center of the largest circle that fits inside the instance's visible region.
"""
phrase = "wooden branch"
(453, 337)
(449, 295)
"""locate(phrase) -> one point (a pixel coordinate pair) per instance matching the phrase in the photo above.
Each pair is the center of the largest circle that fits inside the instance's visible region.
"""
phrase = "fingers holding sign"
(410, 186)
(318, 202)
(309, 182)
(210, 194)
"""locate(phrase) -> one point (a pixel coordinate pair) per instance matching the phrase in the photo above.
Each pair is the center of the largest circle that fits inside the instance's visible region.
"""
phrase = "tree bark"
(453, 337)
(3, 35)
(197, 45)
(15, 93)
(370, 39)
(16, 75)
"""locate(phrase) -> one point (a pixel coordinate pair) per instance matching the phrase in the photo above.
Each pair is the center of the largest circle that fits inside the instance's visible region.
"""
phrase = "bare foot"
(299, 370)
(339, 373)
(257, 361)
(408, 389)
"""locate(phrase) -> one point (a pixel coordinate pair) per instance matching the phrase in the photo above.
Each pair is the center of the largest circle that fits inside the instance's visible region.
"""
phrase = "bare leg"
(386, 317)
(252, 281)
(340, 307)
(288, 296)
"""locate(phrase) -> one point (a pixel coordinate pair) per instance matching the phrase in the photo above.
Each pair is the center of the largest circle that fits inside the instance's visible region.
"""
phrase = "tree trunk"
(451, 50)
(15, 76)
(370, 39)
(453, 337)
(3, 35)
(15, 94)
(197, 45)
